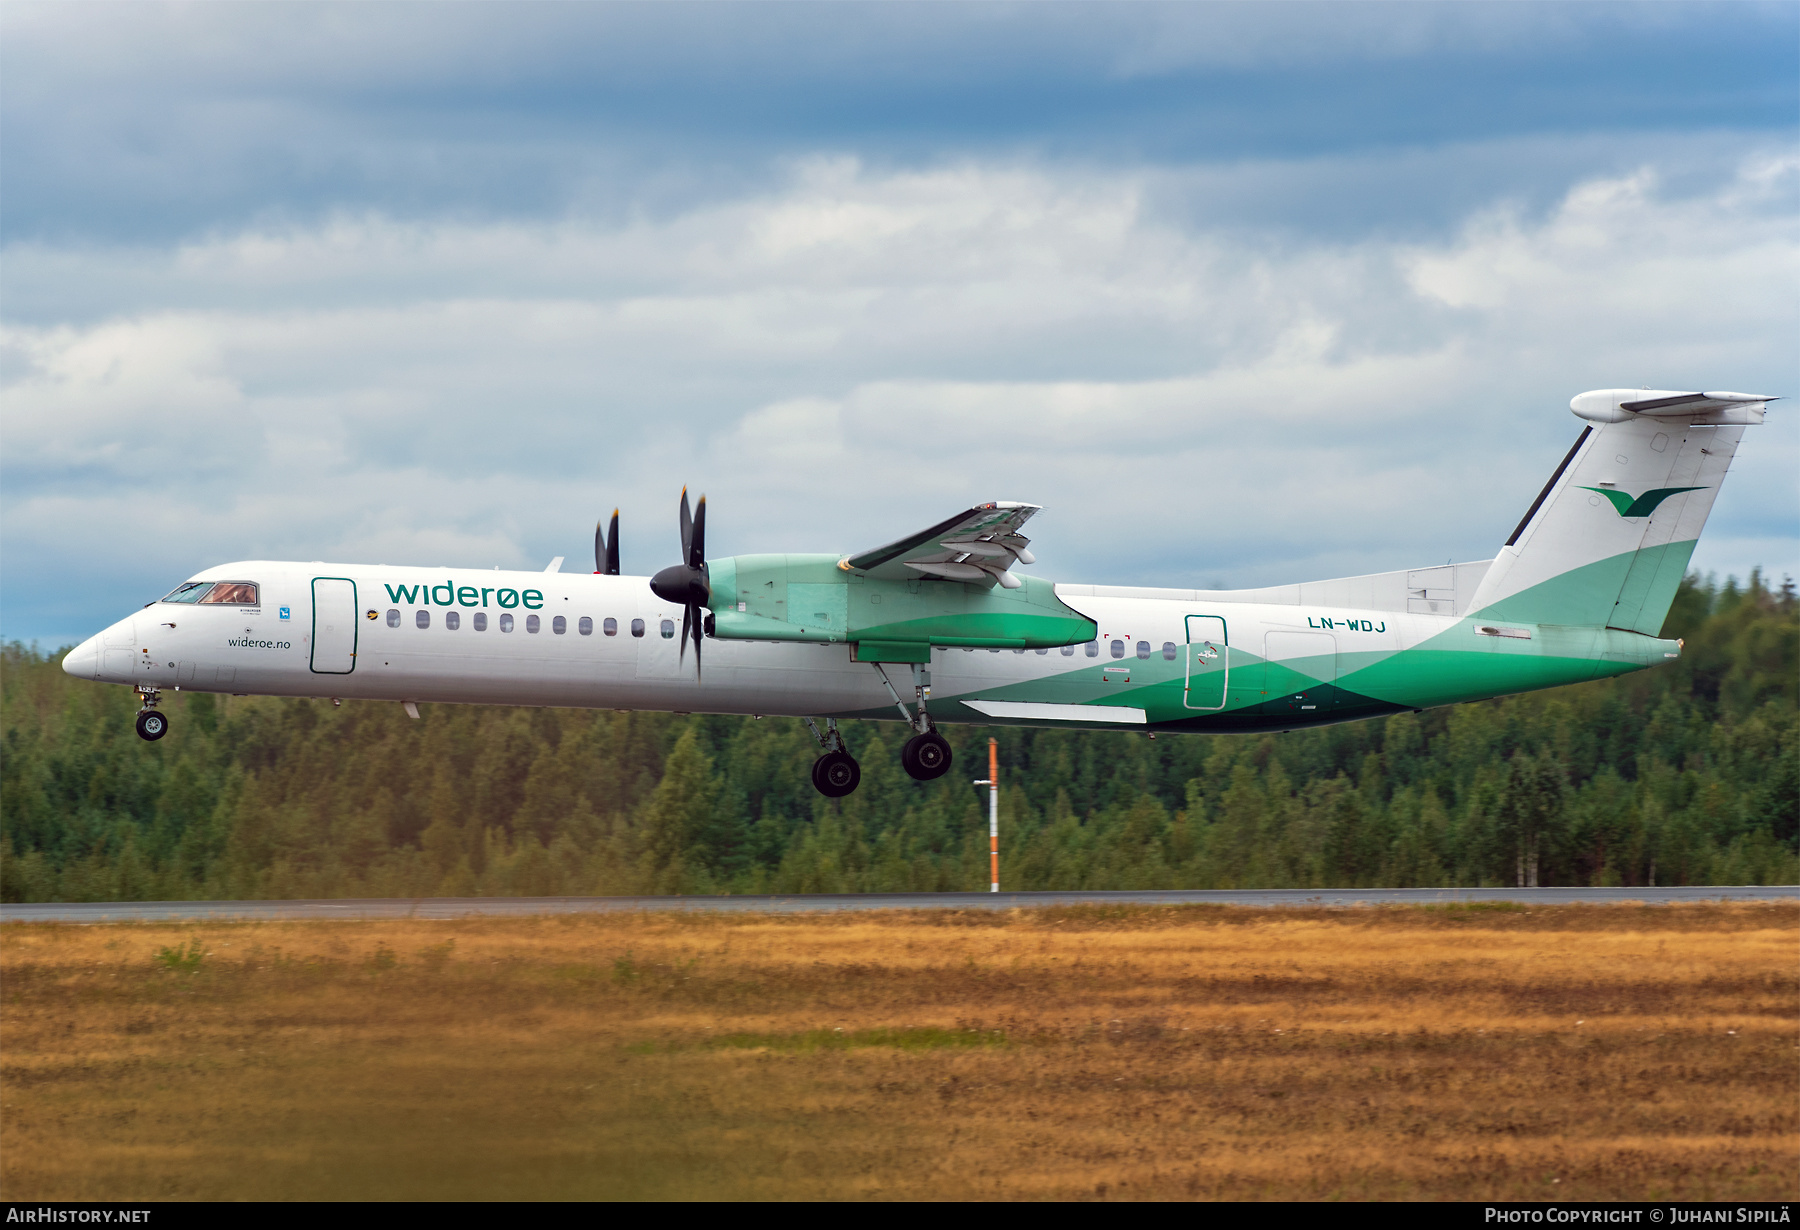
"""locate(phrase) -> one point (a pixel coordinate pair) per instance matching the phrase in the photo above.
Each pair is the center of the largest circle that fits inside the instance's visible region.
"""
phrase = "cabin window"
(585, 626)
(452, 620)
(506, 621)
(668, 629)
(1118, 649)
(531, 623)
(1093, 649)
(637, 627)
(1068, 651)
(481, 621)
(559, 625)
(1168, 651)
(422, 618)
(393, 619)
(610, 626)
(1143, 651)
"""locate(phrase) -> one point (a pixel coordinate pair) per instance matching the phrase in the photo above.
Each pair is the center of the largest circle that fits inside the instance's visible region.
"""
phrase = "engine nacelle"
(812, 598)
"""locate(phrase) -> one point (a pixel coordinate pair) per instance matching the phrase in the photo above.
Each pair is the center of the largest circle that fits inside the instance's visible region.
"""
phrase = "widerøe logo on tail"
(1643, 505)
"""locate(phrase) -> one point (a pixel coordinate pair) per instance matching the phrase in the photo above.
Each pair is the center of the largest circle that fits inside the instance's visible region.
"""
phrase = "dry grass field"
(1572, 1052)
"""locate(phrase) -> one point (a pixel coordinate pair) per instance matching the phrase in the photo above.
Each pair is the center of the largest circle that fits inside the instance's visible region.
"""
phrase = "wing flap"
(980, 544)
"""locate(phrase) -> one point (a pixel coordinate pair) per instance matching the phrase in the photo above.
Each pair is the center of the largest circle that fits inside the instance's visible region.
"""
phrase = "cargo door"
(1208, 662)
(334, 626)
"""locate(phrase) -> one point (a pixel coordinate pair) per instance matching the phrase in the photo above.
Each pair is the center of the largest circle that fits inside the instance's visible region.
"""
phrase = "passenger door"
(1208, 662)
(334, 626)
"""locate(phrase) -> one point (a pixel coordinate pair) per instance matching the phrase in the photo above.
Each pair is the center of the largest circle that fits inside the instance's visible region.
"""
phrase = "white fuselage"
(404, 649)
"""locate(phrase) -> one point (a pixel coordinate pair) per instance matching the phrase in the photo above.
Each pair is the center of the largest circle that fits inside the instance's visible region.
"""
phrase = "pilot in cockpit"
(232, 593)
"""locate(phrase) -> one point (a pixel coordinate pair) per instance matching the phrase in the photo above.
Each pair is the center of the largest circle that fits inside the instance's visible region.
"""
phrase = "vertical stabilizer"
(1609, 538)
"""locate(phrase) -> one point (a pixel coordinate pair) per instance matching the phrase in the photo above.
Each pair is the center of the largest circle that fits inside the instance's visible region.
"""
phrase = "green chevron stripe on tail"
(1641, 506)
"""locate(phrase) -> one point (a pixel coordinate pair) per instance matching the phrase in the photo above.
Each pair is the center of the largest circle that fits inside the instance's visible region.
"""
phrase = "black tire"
(926, 757)
(836, 774)
(152, 724)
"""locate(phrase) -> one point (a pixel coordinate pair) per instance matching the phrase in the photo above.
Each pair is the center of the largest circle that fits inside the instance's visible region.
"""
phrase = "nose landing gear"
(151, 723)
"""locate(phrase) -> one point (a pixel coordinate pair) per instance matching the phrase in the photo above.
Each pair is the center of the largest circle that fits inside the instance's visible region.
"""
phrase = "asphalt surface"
(465, 907)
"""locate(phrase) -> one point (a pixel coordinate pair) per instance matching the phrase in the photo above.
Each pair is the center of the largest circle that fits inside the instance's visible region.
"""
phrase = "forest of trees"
(1683, 774)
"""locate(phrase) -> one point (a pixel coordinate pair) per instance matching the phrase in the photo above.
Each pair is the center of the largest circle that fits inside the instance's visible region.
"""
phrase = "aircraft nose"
(83, 661)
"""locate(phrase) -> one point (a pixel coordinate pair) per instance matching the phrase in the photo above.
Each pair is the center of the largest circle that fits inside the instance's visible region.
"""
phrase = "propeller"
(688, 582)
(606, 548)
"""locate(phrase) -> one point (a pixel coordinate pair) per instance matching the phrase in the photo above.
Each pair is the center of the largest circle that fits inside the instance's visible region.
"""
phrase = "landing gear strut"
(151, 724)
(836, 773)
(926, 755)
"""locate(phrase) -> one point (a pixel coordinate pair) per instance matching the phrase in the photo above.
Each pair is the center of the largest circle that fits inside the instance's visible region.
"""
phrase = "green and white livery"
(939, 627)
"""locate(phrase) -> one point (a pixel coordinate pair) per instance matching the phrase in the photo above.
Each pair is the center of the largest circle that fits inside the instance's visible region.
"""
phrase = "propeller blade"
(687, 528)
(696, 557)
(599, 547)
(612, 546)
(687, 583)
(699, 625)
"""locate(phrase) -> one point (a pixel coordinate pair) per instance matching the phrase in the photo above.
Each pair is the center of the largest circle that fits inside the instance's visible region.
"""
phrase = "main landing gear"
(925, 756)
(151, 724)
(836, 773)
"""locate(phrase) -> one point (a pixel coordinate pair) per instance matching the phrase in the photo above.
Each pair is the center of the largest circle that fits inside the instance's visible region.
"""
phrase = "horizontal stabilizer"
(1622, 405)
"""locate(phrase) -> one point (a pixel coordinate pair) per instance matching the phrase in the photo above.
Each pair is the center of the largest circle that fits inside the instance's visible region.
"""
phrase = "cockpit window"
(223, 593)
(232, 593)
(226, 593)
(190, 591)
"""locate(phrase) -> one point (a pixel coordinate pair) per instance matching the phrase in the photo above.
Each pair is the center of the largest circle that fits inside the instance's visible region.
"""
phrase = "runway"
(466, 907)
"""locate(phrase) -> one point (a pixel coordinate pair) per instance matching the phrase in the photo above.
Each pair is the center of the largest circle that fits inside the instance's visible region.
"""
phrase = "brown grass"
(1574, 1052)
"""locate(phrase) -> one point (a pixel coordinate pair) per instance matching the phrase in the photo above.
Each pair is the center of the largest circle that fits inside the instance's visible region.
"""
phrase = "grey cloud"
(155, 122)
(851, 354)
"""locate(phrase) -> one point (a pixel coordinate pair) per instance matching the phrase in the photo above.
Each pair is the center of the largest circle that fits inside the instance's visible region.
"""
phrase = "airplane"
(937, 628)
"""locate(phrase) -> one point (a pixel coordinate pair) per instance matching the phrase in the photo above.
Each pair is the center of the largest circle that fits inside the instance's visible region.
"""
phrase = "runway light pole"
(992, 782)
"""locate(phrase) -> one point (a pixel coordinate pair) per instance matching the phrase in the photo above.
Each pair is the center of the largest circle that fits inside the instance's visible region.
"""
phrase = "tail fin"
(1609, 537)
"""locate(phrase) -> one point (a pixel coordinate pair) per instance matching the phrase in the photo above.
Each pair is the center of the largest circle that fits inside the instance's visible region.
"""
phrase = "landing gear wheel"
(836, 774)
(925, 756)
(152, 725)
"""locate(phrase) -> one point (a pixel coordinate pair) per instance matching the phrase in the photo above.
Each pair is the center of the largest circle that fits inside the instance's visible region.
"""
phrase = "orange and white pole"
(994, 815)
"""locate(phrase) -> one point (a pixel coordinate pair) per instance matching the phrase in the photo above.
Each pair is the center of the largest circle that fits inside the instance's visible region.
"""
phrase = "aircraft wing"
(980, 544)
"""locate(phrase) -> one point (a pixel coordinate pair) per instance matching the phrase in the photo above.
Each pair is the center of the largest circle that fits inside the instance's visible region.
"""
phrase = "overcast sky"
(1240, 294)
